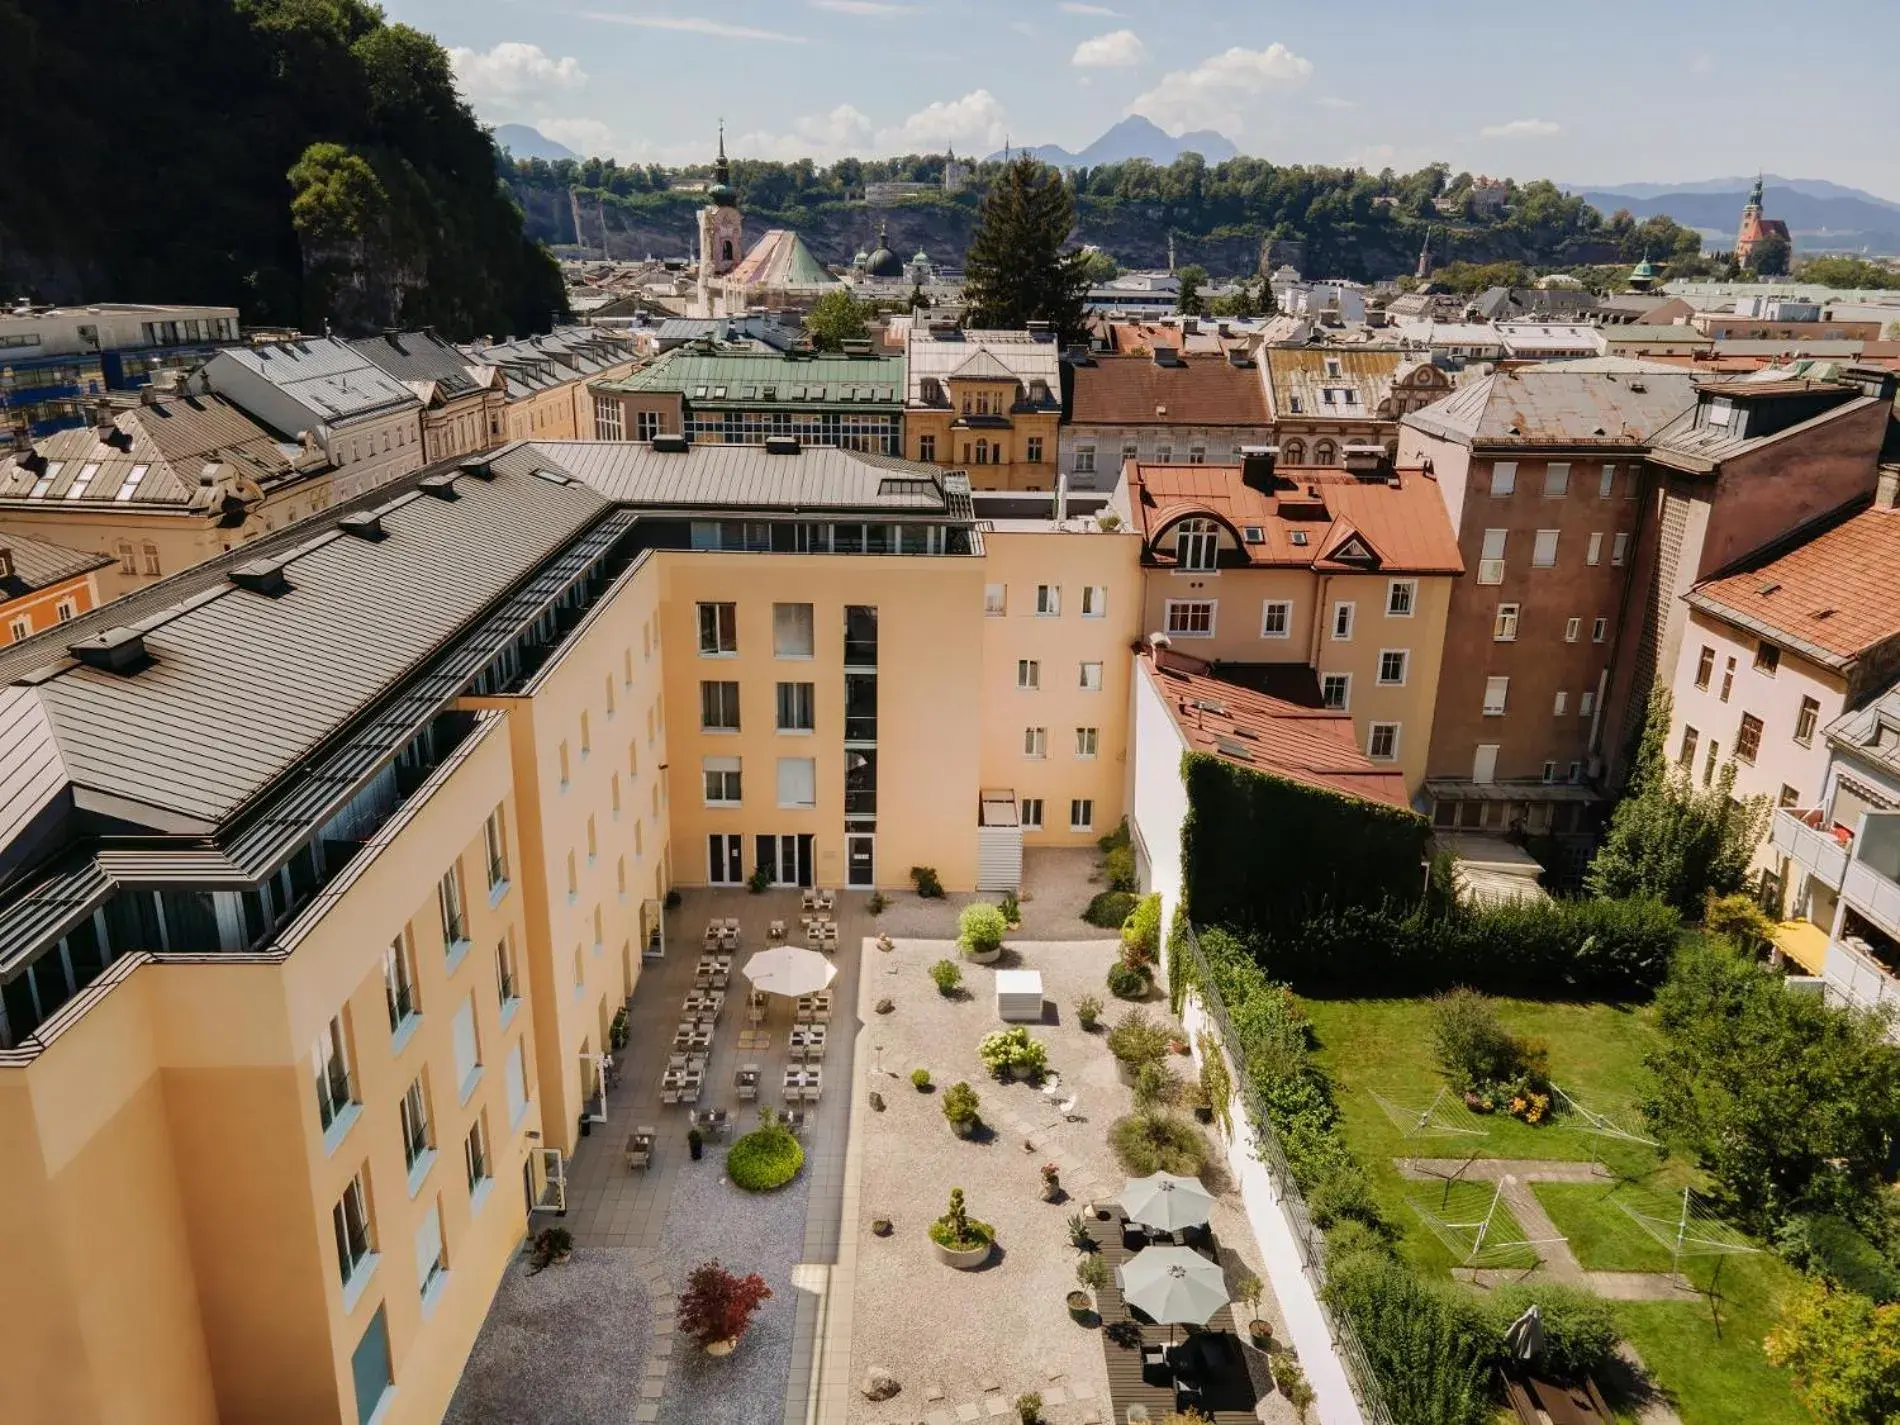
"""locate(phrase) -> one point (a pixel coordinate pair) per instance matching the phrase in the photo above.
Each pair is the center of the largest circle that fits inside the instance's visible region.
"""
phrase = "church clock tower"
(721, 230)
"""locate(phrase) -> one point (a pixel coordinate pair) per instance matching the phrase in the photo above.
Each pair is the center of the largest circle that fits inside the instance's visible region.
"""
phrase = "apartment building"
(461, 404)
(367, 424)
(986, 402)
(43, 585)
(1323, 399)
(545, 378)
(1322, 587)
(1159, 409)
(1540, 475)
(161, 480)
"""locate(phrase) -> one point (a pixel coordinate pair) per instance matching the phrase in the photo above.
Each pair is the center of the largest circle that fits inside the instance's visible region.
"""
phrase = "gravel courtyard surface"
(747, 1232)
(1058, 883)
(985, 1337)
(569, 1344)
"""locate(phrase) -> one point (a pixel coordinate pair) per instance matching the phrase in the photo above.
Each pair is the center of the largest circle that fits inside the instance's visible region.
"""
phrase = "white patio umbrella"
(1166, 1201)
(1174, 1285)
(789, 970)
(1524, 1338)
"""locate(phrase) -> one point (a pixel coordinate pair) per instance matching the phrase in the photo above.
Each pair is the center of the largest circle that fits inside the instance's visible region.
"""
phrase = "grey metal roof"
(1683, 444)
(419, 356)
(323, 375)
(739, 477)
(1871, 733)
(1564, 408)
(39, 564)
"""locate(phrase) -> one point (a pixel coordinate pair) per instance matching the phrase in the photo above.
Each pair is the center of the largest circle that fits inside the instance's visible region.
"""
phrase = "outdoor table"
(710, 980)
(713, 1121)
(691, 1039)
(776, 931)
(794, 1119)
(640, 1148)
(712, 964)
(808, 1041)
(706, 1002)
(809, 899)
(746, 1081)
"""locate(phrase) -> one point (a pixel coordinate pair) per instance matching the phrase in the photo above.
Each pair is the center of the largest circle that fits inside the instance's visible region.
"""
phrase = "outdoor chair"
(1067, 1108)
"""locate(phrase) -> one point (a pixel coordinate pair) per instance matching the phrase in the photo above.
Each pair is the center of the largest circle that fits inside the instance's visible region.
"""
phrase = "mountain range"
(524, 142)
(1820, 215)
(1135, 137)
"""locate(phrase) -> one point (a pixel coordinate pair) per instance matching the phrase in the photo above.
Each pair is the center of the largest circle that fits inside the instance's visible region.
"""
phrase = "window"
(1748, 739)
(1573, 629)
(722, 781)
(1504, 477)
(448, 895)
(1048, 600)
(1788, 797)
(1335, 690)
(565, 769)
(646, 424)
(718, 630)
(1686, 756)
(350, 1218)
(1728, 679)
(468, 1054)
(718, 707)
(608, 421)
(1324, 453)
(1295, 452)
(1382, 741)
(797, 782)
(150, 554)
(475, 1157)
(1704, 667)
(1084, 459)
(1606, 483)
(1504, 625)
(431, 1264)
(1595, 554)
(927, 448)
(1561, 705)
(1086, 741)
(1586, 702)
(1767, 659)
(1391, 667)
(791, 631)
(1599, 630)
(1082, 814)
(1544, 549)
(797, 707)
(1276, 619)
(1400, 596)
(507, 987)
(1805, 720)
(1035, 742)
(1089, 677)
(128, 558)
(1164, 455)
(1197, 455)
(995, 600)
(1491, 557)
(1189, 618)
(517, 1076)
(1028, 674)
(399, 982)
(495, 839)
(1556, 480)
(1196, 544)
(413, 1111)
(1495, 690)
(1095, 601)
(19, 629)
(336, 1094)
(1620, 549)
(64, 610)
(1342, 622)
(1709, 760)
(1032, 814)
(1032, 450)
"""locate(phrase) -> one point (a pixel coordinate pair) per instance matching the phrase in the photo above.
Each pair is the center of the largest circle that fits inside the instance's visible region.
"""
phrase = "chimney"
(117, 650)
(102, 426)
(1062, 498)
(1256, 467)
(6, 563)
(1887, 488)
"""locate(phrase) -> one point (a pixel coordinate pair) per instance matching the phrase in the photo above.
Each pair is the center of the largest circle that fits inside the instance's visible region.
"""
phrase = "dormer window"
(1196, 544)
(1332, 366)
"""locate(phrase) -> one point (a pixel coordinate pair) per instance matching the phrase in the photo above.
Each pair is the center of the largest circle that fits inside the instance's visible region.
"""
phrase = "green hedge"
(1108, 909)
(766, 1158)
(1260, 851)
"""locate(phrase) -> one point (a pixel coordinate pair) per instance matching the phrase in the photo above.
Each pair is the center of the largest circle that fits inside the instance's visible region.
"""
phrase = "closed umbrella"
(789, 970)
(1524, 1337)
(1174, 1285)
(1166, 1201)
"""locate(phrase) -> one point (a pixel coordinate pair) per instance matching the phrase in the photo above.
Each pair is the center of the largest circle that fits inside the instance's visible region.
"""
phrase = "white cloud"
(1333, 101)
(1211, 94)
(587, 137)
(862, 7)
(512, 74)
(692, 25)
(817, 136)
(1079, 7)
(1118, 49)
(976, 122)
(1521, 129)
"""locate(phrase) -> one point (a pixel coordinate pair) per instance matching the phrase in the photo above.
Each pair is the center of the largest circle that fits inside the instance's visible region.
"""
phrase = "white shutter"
(1544, 550)
(466, 1061)
(517, 1087)
(719, 764)
(1495, 690)
(1484, 767)
(428, 1244)
(797, 782)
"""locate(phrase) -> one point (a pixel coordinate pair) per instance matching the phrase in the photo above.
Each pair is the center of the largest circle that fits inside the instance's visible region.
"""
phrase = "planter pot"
(1020, 1073)
(1125, 1071)
(1260, 1333)
(964, 1261)
(563, 1256)
(983, 957)
(698, 1151)
(1080, 1312)
(721, 1348)
(964, 1127)
(1052, 1192)
(1205, 1115)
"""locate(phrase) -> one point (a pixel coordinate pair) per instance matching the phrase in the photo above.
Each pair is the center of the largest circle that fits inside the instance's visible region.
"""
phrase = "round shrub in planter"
(959, 1106)
(1013, 1053)
(948, 976)
(1157, 1142)
(920, 1080)
(959, 1239)
(766, 1158)
(1127, 982)
(980, 931)
(1136, 1040)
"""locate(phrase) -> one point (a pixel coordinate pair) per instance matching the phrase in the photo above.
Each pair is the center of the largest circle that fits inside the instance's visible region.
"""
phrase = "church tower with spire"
(721, 230)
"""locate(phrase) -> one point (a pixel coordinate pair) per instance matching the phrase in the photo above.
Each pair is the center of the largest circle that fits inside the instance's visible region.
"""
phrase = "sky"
(1659, 91)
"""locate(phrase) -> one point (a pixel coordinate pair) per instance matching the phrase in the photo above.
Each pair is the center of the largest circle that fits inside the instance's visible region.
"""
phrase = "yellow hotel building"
(325, 865)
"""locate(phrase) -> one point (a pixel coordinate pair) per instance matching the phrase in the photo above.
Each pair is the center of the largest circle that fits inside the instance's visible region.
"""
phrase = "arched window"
(982, 452)
(1294, 452)
(1323, 453)
(1196, 544)
(725, 250)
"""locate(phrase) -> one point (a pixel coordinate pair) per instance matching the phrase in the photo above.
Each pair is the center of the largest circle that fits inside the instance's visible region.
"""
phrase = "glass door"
(860, 865)
(724, 858)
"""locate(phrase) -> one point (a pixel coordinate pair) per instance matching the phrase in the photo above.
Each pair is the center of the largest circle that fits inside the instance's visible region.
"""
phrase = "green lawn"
(1706, 1355)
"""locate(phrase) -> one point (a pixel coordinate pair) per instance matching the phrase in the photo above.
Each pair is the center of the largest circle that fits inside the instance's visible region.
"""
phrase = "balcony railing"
(1806, 839)
(1873, 894)
(1854, 975)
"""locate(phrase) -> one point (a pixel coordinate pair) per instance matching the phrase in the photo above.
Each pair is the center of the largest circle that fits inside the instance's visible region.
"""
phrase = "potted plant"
(1079, 1237)
(948, 975)
(960, 1240)
(1288, 1375)
(553, 1244)
(1013, 1053)
(876, 904)
(617, 1031)
(959, 1106)
(1088, 1012)
(1247, 1292)
(695, 1143)
(1134, 1041)
(980, 933)
(1051, 1182)
(717, 1306)
(1012, 911)
(1093, 1275)
(925, 879)
(1029, 1409)
(920, 1080)
(760, 881)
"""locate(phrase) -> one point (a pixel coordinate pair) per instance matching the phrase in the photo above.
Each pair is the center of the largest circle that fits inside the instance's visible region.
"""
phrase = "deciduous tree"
(836, 318)
(1844, 1354)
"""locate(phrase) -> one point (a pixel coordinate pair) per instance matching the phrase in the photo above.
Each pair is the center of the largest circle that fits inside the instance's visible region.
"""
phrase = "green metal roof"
(728, 378)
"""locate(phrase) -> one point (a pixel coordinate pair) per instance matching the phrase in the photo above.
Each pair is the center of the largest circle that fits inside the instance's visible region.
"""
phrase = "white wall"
(1157, 803)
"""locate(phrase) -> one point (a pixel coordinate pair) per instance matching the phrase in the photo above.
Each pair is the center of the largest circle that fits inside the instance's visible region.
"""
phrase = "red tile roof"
(1836, 594)
(1400, 516)
(1201, 391)
(1282, 739)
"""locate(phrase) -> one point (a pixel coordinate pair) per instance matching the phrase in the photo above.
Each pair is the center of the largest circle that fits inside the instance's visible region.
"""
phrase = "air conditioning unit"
(1490, 571)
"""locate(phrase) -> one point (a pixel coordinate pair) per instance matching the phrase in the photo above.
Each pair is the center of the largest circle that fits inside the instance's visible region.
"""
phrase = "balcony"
(1872, 883)
(1855, 974)
(1805, 838)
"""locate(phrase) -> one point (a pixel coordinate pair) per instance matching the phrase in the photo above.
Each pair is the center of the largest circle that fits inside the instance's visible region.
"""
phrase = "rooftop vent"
(262, 576)
(1166, 355)
(1232, 747)
(117, 650)
(364, 524)
(441, 486)
(670, 444)
(781, 445)
(480, 469)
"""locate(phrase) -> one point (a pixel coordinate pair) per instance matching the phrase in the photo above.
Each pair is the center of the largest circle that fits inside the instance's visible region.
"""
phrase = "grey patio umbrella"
(1174, 1285)
(789, 970)
(1166, 1201)
(1524, 1337)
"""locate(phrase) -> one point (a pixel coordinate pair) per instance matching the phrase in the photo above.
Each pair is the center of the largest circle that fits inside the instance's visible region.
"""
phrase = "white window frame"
(1169, 617)
(1085, 459)
(1599, 630)
(1082, 814)
(1544, 548)
(995, 600)
(809, 782)
(1497, 693)
(722, 729)
(1606, 483)
(465, 1038)
(1504, 623)
(1619, 549)
(352, 1264)
(1088, 741)
(1284, 607)
(1573, 629)
(399, 987)
(1048, 601)
(1399, 591)
(453, 910)
(1029, 674)
(1345, 697)
(1503, 478)
(785, 621)
(1197, 546)
(1594, 554)
(1491, 552)
(1345, 614)
(1035, 743)
(1561, 703)
(1031, 814)
(1089, 676)
(1556, 479)
(730, 786)
(1586, 702)
(1405, 661)
(803, 707)
(718, 622)
(1095, 601)
(1372, 741)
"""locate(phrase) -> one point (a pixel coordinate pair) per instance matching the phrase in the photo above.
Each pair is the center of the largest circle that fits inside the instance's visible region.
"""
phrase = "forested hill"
(1346, 222)
(300, 159)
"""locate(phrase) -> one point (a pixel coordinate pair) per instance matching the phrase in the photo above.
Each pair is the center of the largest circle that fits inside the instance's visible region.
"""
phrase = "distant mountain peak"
(524, 141)
(1136, 136)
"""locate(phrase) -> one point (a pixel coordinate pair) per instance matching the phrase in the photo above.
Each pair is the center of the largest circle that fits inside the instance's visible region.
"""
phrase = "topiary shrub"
(924, 878)
(959, 1107)
(980, 929)
(1157, 1142)
(1126, 982)
(948, 975)
(1004, 1050)
(1088, 1012)
(1108, 909)
(957, 1230)
(920, 1079)
(766, 1158)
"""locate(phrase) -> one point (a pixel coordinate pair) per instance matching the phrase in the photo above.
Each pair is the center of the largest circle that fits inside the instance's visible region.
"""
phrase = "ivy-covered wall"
(1260, 851)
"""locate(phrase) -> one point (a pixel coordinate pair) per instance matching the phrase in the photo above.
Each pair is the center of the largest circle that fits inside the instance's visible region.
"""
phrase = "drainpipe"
(1319, 615)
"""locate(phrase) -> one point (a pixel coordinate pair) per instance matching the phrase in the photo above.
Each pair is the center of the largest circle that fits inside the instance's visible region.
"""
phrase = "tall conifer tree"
(1017, 270)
